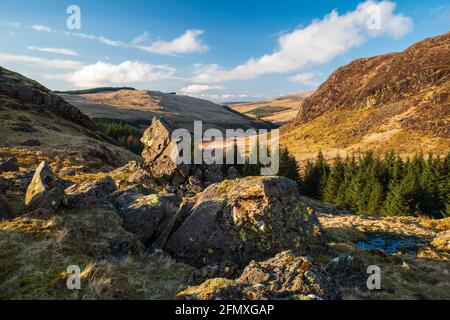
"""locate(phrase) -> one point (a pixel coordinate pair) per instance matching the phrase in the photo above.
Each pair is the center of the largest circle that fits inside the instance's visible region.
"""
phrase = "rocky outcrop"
(9, 165)
(24, 90)
(244, 219)
(226, 269)
(416, 79)
(285, 276)
(159, 151)
(45, 192)
(142, 214)
(90, 193)
(348, 271)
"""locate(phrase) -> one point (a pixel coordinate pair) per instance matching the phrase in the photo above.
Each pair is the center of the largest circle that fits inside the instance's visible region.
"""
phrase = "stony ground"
(106, 225)
(36, 250)
(421, 272)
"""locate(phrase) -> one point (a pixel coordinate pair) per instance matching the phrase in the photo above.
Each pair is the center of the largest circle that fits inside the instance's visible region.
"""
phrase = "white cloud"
(304, 78)
(64, 51)
(189, 42)
(199, 88)
(318, 43)
(140, 38)
(42, 28)
(102, 39)
(128, 72)
(10, 24)
(40, 62)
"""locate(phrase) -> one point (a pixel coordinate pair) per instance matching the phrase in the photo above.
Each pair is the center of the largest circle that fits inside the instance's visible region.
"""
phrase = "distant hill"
(37, 124)
(279, 110)
(95, 90)
(140, 106)
(394, 101)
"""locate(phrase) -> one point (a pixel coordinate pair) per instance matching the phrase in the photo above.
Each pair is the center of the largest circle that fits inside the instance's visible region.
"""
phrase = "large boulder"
(158, 151)
(348, 272)
(285, 276)
(244, 219)
(89, 193)
(142, 214)
(46, 191)
(9, 165)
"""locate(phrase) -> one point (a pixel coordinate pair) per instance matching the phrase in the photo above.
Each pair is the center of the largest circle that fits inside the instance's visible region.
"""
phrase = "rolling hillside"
(140, 106)
(37, 124)
(279, 110)
(394, 101)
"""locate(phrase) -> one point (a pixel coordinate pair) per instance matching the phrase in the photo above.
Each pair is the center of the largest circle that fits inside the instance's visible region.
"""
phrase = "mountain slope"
(279, 110)
(140, 106)
(394, 101)
(38, 124)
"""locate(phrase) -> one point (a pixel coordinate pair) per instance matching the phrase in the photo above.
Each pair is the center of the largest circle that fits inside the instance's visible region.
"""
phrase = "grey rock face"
(244, 219)
(284, 276)
(90, 193)
(143, 215)
(45, 191)
(9, 165)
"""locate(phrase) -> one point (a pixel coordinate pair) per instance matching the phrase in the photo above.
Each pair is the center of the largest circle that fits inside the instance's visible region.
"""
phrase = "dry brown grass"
(35, 254)
(425, 275)
(280, 110)
(355, 131)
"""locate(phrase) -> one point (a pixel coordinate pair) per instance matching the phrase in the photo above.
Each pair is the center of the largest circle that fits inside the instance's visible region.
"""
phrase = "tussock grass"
(35, 254)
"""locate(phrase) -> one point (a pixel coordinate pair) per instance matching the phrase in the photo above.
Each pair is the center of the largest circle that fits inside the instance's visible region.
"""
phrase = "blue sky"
(217, 50)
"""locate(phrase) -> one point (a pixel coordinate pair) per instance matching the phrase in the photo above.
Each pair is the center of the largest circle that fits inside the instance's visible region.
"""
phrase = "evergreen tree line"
(125, 134)
(288, 166)
(389, 185)
(366, 184)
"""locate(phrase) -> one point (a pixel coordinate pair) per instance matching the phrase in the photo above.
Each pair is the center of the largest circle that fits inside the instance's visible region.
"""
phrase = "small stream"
(390, 243)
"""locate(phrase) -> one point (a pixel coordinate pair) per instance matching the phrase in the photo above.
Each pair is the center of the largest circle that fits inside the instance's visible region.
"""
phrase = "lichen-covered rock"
(9, 165)
(142, 177)
(347, 271)
(171, 224)
(90, 193)
(158, 152)
(124, 245)
(284, 276)
(244, 219)
(143, 215)
(45, 192)
(226, 269)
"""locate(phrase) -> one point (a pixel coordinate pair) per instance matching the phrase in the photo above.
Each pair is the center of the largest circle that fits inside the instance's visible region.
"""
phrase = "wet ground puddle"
(390, 243)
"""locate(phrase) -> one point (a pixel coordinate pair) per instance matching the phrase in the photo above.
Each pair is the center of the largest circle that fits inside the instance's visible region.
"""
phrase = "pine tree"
(315, 177)
(376, 199)
(334, 181)
(288, 165)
